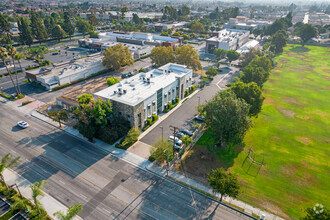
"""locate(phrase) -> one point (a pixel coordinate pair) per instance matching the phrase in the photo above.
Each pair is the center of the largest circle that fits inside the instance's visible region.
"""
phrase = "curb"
(214, 200)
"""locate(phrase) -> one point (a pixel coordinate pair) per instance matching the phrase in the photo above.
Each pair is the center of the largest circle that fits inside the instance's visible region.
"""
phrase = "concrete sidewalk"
(50, 204)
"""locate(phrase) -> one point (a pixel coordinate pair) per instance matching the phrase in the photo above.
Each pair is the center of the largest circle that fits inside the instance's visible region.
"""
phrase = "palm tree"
(6, 162)
(12, 52)
(71, 213)
(37, 191)
(3, 57)
(20, 204)
(19, 57)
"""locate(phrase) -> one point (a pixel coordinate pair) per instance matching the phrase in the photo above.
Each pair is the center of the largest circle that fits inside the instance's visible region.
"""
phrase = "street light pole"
(162, 133)
(199, 100)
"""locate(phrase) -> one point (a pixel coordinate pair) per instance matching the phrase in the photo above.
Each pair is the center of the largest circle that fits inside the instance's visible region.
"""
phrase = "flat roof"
(228, 35)
(137, 88)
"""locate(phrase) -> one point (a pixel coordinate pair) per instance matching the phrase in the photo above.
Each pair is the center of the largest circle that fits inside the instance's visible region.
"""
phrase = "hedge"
(60, 86)
(26, 102)
(5, 96)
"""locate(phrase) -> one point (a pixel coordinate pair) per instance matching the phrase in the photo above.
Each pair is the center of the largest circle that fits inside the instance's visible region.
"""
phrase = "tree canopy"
(85, 99)
(232, 55)
(227, 117)
(279, 40)
(254, 74)
(188, 56)
(307, 32)
(112, 80)
(211, 72)
(197, 27)
(162, 55)
(251, 94)
(159, 150)
(117, 56)
(224, 183)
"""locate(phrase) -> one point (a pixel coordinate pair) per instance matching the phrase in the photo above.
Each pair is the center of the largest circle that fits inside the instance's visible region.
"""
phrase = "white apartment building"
(227, 39)
(138, 97)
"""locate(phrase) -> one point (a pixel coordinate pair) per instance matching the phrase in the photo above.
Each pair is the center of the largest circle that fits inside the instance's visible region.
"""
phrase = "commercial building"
(227, 39)
(164, 26)
(141, 39)
(247, 46)
(243, 23)
(138, 97)
(68, 72)
(99, 44)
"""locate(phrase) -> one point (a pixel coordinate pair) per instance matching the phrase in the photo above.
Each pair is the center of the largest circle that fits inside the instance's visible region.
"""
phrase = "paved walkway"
(147, 165)
(50, 204)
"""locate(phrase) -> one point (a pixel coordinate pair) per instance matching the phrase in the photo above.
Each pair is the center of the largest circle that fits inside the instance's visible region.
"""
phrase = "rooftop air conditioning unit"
(125, 91)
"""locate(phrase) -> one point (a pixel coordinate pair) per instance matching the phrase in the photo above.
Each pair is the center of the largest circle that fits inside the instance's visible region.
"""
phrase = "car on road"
(55, 53)
(126, 75)
(23, 124)
(199, 118)
(177, 140)
(186, 132)
(179, 134)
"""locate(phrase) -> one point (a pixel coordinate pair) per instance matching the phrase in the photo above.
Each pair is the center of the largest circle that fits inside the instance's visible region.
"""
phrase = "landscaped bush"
(149, 121)
(132, 137)
(154, 118)
(202, 84)
(193, 89)
(118, 128)
(112, 80)
(60, 87)
(26, 102)
(186, 93)
(4, 95)
(170, 105)
(177, 100)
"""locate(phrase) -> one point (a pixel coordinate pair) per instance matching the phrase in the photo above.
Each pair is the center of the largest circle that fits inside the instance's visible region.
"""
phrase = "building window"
(154, 107)
(149, 110)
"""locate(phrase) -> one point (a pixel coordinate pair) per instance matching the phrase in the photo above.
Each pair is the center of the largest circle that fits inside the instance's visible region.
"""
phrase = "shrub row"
(5, 96)
(26, 102)
(60, 86)
(150, 121)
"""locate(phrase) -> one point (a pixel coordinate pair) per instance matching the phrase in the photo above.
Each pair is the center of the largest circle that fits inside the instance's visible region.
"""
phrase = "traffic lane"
(36, 168)
(183, 116)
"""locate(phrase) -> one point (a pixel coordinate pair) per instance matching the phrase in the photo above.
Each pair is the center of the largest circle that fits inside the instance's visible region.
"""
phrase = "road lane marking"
(78, 175)
(217, 84)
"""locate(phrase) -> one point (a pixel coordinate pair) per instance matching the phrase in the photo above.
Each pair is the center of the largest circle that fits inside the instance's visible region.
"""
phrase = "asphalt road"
(108, 187)
(183, 116)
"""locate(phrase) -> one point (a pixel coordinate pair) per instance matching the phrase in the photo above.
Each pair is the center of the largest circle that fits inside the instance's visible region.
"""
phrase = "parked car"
(55, 53)
(193, 81)
(179, 134)
(126, 75)
(199, 118)
(177, 140)
(22, 124)
(176, 146)
(186, 132)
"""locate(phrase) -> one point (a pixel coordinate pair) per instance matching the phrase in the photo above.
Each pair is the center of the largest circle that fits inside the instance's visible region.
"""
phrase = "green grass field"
(291, 135)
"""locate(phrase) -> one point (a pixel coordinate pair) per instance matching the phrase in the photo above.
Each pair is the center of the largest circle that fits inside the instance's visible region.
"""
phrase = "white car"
(177, 140)
(23, 124)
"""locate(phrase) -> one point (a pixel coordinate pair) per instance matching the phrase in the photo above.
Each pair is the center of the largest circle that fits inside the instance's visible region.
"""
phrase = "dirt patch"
(269, 101)
(304, 117)
(305, 140)
(299, 173)
(292, 100)
(199, 162)
(286, 112)
(266, 91)
(320, 113)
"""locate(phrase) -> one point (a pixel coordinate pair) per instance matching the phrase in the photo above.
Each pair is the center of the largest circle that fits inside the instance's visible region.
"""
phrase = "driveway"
(183, 116)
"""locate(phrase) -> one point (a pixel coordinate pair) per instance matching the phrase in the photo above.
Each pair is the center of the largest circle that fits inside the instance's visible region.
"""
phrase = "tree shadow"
(299, 49)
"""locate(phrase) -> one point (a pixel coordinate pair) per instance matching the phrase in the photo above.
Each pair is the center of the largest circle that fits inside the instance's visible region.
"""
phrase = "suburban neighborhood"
(126, 109)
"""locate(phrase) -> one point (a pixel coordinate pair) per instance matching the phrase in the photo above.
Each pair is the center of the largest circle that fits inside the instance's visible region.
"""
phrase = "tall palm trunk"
(19, 90)
(11, 78)
(20, 66)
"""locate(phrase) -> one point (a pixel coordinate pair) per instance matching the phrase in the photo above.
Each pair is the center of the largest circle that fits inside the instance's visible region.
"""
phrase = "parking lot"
(184, 115)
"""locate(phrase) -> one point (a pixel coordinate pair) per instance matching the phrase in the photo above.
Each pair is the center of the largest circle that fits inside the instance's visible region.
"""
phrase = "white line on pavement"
(83, 196)
(222, 79)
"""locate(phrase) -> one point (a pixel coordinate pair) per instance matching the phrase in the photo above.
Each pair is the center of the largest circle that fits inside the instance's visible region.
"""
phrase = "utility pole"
(161, 127)
(174, 129)
(199, 100)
